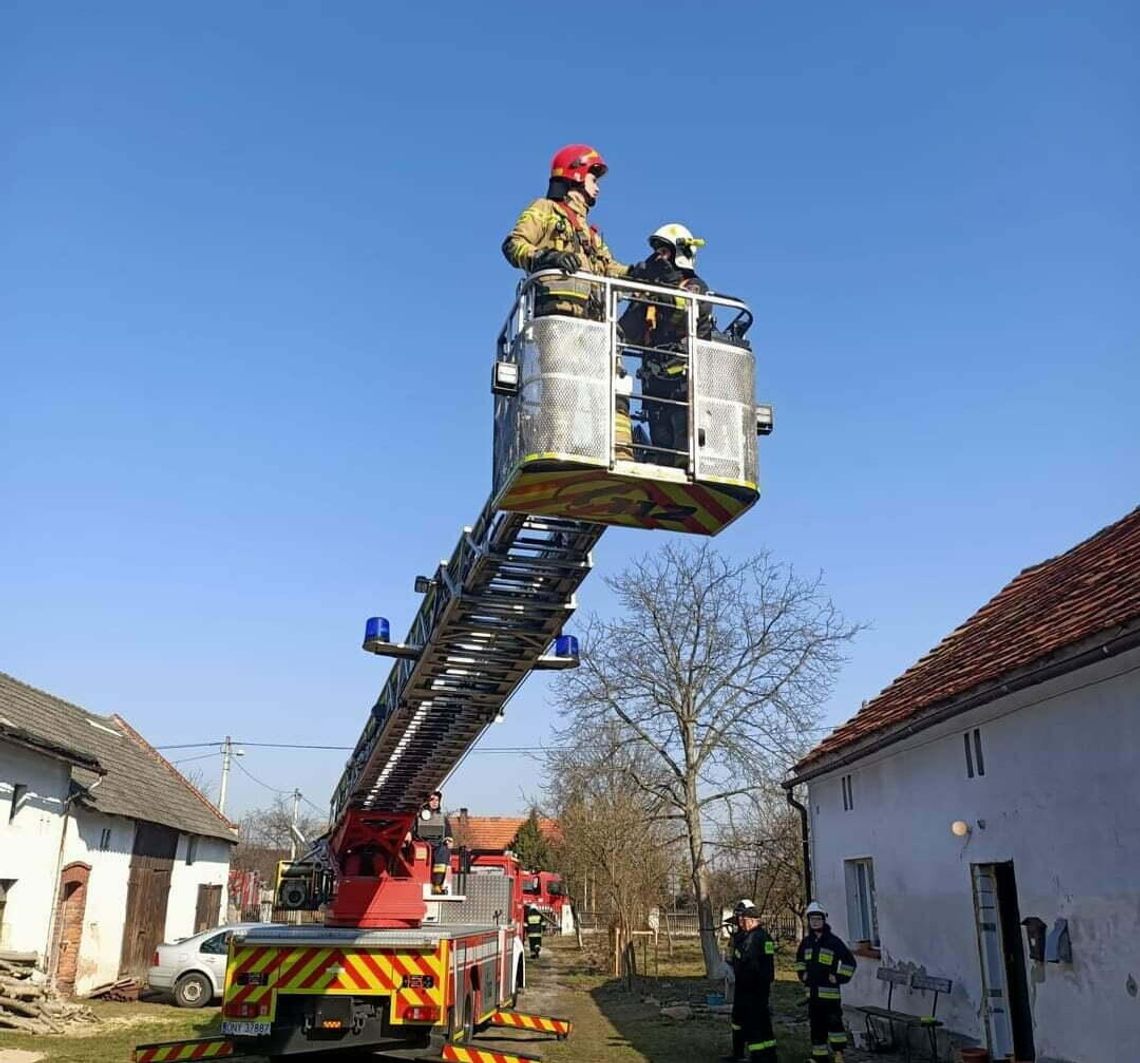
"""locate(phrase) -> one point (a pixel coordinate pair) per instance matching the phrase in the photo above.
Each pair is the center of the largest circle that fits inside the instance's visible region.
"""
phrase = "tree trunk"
(700, 880)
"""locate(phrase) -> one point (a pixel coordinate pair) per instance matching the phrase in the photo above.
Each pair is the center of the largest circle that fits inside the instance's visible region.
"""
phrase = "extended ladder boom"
(488, 616)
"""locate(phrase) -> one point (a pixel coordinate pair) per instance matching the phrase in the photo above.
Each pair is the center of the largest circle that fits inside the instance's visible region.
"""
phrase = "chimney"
(463, 815)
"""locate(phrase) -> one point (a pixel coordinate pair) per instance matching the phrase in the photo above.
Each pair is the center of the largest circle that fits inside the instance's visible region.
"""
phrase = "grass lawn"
(123, 1026)
(611, 1023)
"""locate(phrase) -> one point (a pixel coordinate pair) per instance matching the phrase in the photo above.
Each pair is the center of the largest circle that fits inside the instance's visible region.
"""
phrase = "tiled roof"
(1087, 591)
(137, 781)
(493, 834)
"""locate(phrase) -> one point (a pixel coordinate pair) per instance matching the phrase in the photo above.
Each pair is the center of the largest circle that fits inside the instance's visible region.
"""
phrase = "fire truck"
(397, 967)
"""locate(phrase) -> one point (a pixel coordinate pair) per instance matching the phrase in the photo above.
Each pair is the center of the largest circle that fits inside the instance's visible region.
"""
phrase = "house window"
(862, 919)
(848, 795)
(105, 840)
(191, 848)
(975, 762)
(18, 791)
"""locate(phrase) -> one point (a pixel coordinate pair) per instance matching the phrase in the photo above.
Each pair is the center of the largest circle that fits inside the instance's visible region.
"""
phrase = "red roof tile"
(493, 834)
(1092, 588)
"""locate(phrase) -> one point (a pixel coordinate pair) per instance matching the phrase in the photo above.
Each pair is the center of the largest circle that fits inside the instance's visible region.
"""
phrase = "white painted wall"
(29, 843)
(1061, 798)
(211, 867)
(102, 943)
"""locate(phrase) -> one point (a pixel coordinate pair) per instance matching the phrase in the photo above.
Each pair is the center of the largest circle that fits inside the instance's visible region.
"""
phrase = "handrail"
(622, 284)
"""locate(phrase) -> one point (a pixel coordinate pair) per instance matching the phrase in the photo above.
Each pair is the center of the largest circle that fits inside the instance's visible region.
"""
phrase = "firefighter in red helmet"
(554, 233)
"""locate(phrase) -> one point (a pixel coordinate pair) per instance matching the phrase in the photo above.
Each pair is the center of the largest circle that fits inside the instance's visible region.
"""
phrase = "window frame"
(975, 759)
(862, 909)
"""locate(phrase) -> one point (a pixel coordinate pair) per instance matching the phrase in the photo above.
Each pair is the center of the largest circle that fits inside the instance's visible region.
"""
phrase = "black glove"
(566, 261)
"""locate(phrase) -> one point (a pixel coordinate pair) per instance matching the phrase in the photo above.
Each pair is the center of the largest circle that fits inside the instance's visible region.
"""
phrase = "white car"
(193, 970)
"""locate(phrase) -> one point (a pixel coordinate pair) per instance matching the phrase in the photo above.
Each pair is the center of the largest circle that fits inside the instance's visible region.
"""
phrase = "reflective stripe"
(759, 1046)
(439, 868)
(800, 965)
(769, 948)
(930, 1020)
(820, 1050)
(827, 994)
(837, 1038)
(847, 969)
(735, 1027)
(825, 956)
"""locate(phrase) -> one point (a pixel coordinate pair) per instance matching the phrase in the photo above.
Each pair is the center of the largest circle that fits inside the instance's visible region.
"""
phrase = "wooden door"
(209, 904)
(148, 890)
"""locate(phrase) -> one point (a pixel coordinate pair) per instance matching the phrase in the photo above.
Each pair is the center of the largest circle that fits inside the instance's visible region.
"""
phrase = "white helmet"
(741, 905)
(683, 242)
(815, 908)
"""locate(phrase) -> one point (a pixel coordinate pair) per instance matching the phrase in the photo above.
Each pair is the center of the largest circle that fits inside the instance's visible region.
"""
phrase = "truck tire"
(193, 990)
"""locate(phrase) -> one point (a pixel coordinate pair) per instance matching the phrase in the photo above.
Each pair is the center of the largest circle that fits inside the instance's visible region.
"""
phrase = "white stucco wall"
(101, 946)
(29, 844)
(211, 867)
(1061, 799)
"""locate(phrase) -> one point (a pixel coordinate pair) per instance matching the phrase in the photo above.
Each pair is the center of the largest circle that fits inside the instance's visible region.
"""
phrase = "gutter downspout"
(805, 839)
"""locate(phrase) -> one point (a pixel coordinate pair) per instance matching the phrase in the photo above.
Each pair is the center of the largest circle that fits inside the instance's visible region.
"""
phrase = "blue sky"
(250, 283)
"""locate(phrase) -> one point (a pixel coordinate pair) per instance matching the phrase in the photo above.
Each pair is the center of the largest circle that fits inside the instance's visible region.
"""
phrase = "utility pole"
(293, 827)
(227, 753)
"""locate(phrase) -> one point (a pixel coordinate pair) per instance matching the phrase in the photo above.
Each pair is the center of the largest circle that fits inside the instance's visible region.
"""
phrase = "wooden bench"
(930, 1023)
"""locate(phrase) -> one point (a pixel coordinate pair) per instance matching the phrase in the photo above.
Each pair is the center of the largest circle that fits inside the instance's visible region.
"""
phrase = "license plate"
(246, 1029)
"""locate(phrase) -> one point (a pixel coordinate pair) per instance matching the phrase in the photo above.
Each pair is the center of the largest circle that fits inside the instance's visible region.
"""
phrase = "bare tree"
(197, 778)
(713, 672)
(611, 832)
(759, 855)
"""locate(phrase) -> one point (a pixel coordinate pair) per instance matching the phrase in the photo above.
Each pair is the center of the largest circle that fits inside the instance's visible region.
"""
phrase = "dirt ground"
(612, 1024)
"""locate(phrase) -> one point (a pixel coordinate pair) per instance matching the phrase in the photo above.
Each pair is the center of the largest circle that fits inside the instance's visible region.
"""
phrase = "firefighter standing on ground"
(554, 233)
(755, 972)
(823, 964)
(735, 954)
(533, 930)
(665, 371)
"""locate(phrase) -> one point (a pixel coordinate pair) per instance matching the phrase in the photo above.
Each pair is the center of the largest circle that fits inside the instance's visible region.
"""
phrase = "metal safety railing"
(583, 367)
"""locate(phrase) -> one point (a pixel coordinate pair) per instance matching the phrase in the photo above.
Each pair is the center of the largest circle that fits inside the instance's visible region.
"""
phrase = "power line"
(190, 760)
(246, 772)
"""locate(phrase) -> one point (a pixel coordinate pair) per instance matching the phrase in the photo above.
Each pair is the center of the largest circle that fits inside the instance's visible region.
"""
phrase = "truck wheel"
(193, 990)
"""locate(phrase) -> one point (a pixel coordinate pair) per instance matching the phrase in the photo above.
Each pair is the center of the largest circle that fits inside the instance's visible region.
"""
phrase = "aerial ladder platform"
(396, 966)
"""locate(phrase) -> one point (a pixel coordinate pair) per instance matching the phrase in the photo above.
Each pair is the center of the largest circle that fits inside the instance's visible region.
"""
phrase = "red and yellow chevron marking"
(611, 498)
(466, 1054)
(316, 970)
(212, 1048)
(523, 1021)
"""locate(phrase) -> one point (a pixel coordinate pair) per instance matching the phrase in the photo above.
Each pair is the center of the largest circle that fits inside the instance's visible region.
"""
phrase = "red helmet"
(574, 161)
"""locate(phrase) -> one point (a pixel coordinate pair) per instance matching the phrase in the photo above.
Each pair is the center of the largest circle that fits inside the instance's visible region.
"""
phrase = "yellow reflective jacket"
(547, 225)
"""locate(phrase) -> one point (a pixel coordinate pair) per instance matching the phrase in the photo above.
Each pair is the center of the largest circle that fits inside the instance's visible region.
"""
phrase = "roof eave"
(17, 736)
(1105, 644)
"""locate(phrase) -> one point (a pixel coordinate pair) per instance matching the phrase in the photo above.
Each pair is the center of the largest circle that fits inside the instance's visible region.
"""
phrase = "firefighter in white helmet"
(823, 964)
(735, 955)
(662, 325)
